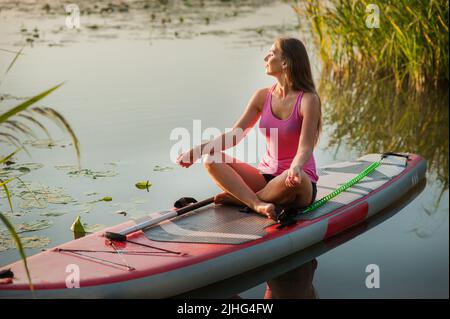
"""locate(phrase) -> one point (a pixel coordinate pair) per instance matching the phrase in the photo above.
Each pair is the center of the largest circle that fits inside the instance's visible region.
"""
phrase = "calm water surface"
(130, 85)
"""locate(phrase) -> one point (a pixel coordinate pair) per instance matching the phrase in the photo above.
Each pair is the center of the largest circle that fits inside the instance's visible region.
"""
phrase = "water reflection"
(295, 284)
(368, 114)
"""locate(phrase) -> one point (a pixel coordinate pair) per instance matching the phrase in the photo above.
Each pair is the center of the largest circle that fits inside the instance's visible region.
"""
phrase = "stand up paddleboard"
(211, 243)
(231, 287)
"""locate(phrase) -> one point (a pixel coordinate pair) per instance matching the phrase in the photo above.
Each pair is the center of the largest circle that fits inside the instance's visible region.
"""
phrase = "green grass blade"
(16, 239)
(60, 120)
(20, 127)
(30, 190)
(39, 124)
(13, 61)
(12, 139)
(5, 116)
(4, 159)
(8, 195)
(9, 51)
(3, 183)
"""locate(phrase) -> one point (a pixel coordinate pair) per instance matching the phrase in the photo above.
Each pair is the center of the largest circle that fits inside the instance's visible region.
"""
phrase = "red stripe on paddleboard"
(343, 221)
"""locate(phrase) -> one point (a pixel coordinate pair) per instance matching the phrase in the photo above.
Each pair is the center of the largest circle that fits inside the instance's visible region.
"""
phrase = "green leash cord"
(342, 188)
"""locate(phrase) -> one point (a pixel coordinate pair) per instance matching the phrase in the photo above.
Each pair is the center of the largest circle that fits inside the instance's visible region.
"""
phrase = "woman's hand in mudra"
(188, 158)
(294, 176)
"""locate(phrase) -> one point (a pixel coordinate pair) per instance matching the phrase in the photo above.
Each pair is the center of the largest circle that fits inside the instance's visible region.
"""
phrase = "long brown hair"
(299, 72)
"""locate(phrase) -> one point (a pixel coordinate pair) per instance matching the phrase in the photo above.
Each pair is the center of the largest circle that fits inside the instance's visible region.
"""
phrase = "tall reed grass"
(409, 45)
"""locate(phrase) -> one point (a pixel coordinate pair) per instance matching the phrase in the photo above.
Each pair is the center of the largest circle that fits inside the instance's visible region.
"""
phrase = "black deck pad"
(220, 224)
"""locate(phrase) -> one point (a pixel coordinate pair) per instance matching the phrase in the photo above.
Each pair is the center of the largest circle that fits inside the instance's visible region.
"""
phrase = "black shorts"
(269, 177)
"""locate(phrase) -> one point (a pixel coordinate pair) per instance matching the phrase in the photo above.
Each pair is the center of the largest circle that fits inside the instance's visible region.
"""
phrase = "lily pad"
(38, 202)
(47, 143)
(158, 168)
(18, 169)
(6, 242)
(35, 242)
(9, 214)
(91, 193)
(74, 171)
(104, 199)
(33, 226)
(53, 214)
(39, 196)
(23, 169)
(59, 199)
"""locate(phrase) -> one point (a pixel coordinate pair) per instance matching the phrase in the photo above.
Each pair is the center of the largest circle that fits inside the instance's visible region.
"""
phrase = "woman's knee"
(210, 160)
(305, 191)
(304, 178)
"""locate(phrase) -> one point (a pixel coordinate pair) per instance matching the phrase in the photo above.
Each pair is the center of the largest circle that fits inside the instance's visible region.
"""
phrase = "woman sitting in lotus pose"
(286, 175)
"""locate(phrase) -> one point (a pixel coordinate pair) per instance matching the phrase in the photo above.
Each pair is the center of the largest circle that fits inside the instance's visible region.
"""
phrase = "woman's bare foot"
(266, 209)
(226, 198)
(263, 208)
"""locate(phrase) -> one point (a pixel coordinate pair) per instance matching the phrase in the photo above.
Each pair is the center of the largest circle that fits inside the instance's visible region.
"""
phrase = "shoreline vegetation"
(384, 79)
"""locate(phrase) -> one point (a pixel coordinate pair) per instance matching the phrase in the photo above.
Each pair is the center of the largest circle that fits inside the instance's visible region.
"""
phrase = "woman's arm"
(229, 139)
(240, 129)
(310, 111)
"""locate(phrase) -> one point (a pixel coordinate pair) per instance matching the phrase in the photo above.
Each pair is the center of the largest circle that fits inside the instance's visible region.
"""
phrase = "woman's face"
(274, 62)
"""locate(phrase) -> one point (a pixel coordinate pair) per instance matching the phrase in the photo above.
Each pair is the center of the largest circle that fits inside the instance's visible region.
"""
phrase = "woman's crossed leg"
(243, 184)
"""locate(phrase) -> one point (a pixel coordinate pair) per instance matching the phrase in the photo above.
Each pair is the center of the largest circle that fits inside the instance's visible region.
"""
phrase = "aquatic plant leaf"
(47, 143)
(143, 185)
(158, 168)
(53, 214)
(39, 196)
(35, 242)
(91, 193)
(5, 159)
(33, 226)
(73, 171)
(31, 203)
(77, 226)
(24, 169)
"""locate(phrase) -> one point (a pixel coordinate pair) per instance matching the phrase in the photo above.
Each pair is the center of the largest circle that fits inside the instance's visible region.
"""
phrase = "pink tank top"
(278, 159)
